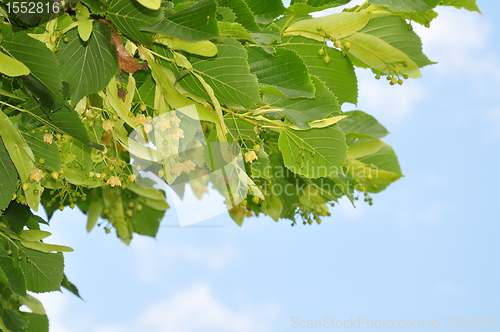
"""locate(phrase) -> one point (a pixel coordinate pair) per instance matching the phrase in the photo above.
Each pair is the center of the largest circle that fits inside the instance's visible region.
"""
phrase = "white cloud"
(149, 252)
(196, 309)
(457, 40)
(193, 309)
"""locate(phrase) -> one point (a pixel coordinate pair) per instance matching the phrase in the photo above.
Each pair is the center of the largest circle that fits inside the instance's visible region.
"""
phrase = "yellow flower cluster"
(140, 119)
(187, 167)
(114, 181)
(178, 133)
(147, 128)
(175, 120)
(107, 125)
(250, 156)
(48, 138)
(163, 124)
(36, 175)
(199, 188)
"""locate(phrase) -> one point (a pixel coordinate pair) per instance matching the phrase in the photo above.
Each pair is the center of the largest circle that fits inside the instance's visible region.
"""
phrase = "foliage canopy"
(78, 78)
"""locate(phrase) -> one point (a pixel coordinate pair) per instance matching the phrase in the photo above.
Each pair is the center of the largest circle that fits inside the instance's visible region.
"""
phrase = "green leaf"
(113, 201)
(13, 320)
(12, 67)
(394, 31)
(244, 15)
(302, 110)
(145, 192)
(314, 153)
(70, 286)
(151, 4)
(273, 208)
(226, 14)
(338, 26)
(364, 149)
(88, 66)
(34, 234)
(22, 157)
(95, 210)
(80, 178)
(10, 95)
(145, 88)
(76, 153)
(234, 30)
(304, 7)
(159, 205)
(284, 69)
(129, 16)
(361, 127)
(117, 105)
(228, 74)
(380, 55)
(44, 272)
(282, 178)
(46, 72)
(239, 129)
(147, 220)
(42, 150)
(320, 3)
(385, 159)
(45, 247)
(196, 23)
(84, 24)
(421, 18)
(266, 11)
(174, 98)
(36, 323)
(407, 5)
(15, 276)
(96, 6)
(8, 174)
(338, 75)
(467, 4)
(260, 168)
(17, 216)
(385, 169)
(34, 304)
(66, 121)
(204, 47)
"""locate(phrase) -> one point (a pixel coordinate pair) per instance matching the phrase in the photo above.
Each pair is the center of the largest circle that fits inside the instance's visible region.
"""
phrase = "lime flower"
(36, 175)
(189, 166)
(131, 177)
(114, 181)
(47, 138)
(147, 128)
(179, 133)
(163, 124)
(175, 120)
(140, 119)
(199, 188)
(250, 156)
(107, 125)
(178, 169)
(186, 167)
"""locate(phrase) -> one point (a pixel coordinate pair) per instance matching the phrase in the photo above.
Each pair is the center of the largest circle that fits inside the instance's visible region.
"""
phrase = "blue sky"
(427, 248)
